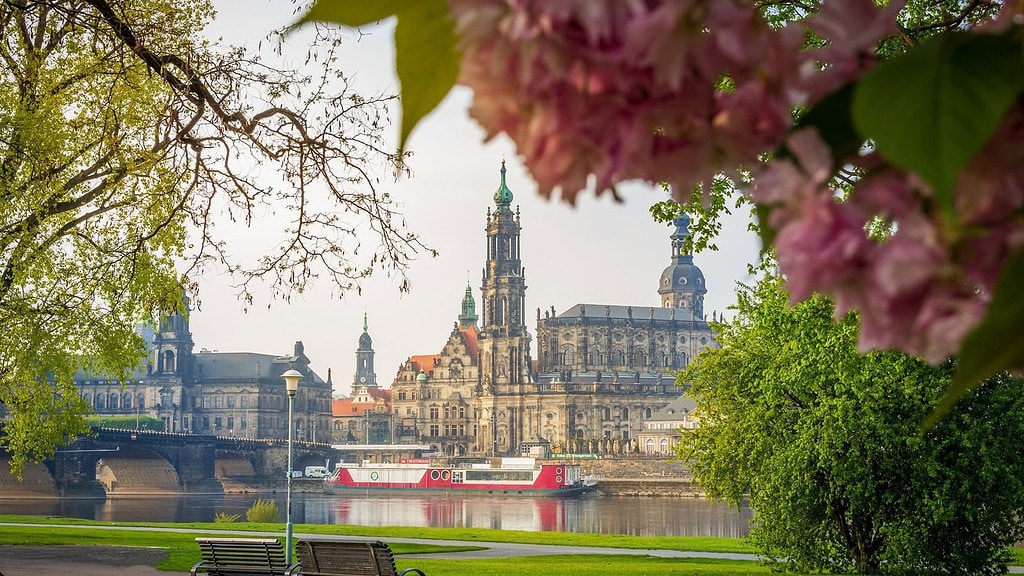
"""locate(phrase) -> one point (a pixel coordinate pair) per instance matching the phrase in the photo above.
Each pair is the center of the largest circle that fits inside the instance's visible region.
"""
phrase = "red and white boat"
(499, 476)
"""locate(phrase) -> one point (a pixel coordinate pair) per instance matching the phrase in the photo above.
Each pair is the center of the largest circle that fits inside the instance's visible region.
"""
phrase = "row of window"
(219, 401)
(115, 401)
(450, 430)
(124, 401)
(568, 357)
(449, 412)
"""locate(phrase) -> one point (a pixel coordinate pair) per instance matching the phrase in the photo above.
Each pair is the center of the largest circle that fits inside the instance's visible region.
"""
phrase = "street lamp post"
(291, 383)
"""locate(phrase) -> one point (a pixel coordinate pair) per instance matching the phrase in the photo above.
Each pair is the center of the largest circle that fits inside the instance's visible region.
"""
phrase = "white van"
(316, 471)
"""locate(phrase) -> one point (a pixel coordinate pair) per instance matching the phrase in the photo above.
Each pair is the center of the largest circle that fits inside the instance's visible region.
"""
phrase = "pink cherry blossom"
(623, 90)
(597, 92)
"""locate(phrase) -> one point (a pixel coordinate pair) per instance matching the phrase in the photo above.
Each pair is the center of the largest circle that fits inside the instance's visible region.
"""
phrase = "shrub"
(225, 517)
(262, 511)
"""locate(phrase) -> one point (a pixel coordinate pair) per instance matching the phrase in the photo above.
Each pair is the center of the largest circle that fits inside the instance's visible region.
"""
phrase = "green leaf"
(353, 13)
(426, 56)
(995, 345)
(930, 110)
(427, 60)
(832, 118)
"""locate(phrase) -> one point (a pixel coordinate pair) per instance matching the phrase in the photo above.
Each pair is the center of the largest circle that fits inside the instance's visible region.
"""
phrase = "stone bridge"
(115, 461)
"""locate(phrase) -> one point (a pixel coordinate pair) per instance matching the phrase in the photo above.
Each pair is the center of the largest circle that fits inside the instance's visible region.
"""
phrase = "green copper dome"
(468, 316)
(503, 196)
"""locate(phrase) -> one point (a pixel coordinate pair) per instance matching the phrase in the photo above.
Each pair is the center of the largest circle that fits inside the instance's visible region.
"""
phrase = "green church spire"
(503, 196)
(468, 316)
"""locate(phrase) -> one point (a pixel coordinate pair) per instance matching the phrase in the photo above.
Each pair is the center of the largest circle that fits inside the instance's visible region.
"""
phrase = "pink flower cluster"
(680, 90)
(921, 288)
(626, 89)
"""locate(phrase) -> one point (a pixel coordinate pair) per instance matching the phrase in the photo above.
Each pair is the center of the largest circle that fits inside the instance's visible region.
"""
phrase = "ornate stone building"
(602, 370)
(220, 393)
(614, 365)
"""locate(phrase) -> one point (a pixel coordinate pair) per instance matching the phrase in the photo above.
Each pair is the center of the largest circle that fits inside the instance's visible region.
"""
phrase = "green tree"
(125, 139)
(825, 443)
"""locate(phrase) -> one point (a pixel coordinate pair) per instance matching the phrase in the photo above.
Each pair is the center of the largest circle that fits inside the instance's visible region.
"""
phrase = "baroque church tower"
(170, 369)
(504, 341)
(682, 282)
(364, 375)
(172, 345)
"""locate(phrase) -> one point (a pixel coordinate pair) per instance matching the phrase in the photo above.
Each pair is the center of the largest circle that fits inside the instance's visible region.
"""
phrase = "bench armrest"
(411, 570)
(201, 565)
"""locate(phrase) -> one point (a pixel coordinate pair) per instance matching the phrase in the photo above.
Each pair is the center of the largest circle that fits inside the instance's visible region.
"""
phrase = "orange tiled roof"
(424, 362)
(469, 335)
(379, 393)
(349, 407)
(341, 407)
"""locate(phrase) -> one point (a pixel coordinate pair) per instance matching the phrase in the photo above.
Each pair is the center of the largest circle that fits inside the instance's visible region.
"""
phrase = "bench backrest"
(236, 556)
(345, 558)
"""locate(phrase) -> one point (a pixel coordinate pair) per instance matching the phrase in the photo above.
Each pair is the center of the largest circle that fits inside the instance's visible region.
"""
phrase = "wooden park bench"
(348, 558)
(243, 556)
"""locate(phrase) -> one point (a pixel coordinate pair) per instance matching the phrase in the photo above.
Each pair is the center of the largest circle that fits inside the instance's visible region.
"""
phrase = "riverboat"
(498, 476)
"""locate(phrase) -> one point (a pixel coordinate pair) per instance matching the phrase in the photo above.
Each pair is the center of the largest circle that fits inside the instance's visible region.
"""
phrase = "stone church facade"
(602, 369)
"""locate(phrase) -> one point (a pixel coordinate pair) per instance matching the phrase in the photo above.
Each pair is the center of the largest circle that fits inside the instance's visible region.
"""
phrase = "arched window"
(127, 401)
(113, 400)
(664, 446)
(607, 413)
(168, 361)
(140, 401)
(647, 412)
(649, 447)
(625, 413)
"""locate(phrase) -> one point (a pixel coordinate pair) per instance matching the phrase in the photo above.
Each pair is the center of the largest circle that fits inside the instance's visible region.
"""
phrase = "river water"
(592, 513)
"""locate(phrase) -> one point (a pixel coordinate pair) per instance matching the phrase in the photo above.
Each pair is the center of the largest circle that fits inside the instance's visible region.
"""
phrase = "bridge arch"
(137, 471)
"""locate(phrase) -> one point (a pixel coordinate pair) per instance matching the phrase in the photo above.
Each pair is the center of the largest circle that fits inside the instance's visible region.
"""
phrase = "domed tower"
(682, 283)
(364, 375)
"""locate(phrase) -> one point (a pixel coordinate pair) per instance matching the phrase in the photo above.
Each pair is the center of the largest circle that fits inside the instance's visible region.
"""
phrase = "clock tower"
(364, 375)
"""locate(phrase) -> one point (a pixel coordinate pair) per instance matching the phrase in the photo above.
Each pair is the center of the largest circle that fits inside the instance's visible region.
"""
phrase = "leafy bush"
(225, 517)
(263, 511)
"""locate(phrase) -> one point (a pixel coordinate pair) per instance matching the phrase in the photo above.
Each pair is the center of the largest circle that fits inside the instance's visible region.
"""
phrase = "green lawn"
(687, 543)
(183, 552)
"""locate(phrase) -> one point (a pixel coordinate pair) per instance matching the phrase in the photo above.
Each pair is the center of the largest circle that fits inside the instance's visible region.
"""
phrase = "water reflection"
(649, 516)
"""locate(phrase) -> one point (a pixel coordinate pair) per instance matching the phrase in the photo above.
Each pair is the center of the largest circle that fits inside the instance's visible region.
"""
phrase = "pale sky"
(599, 252)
